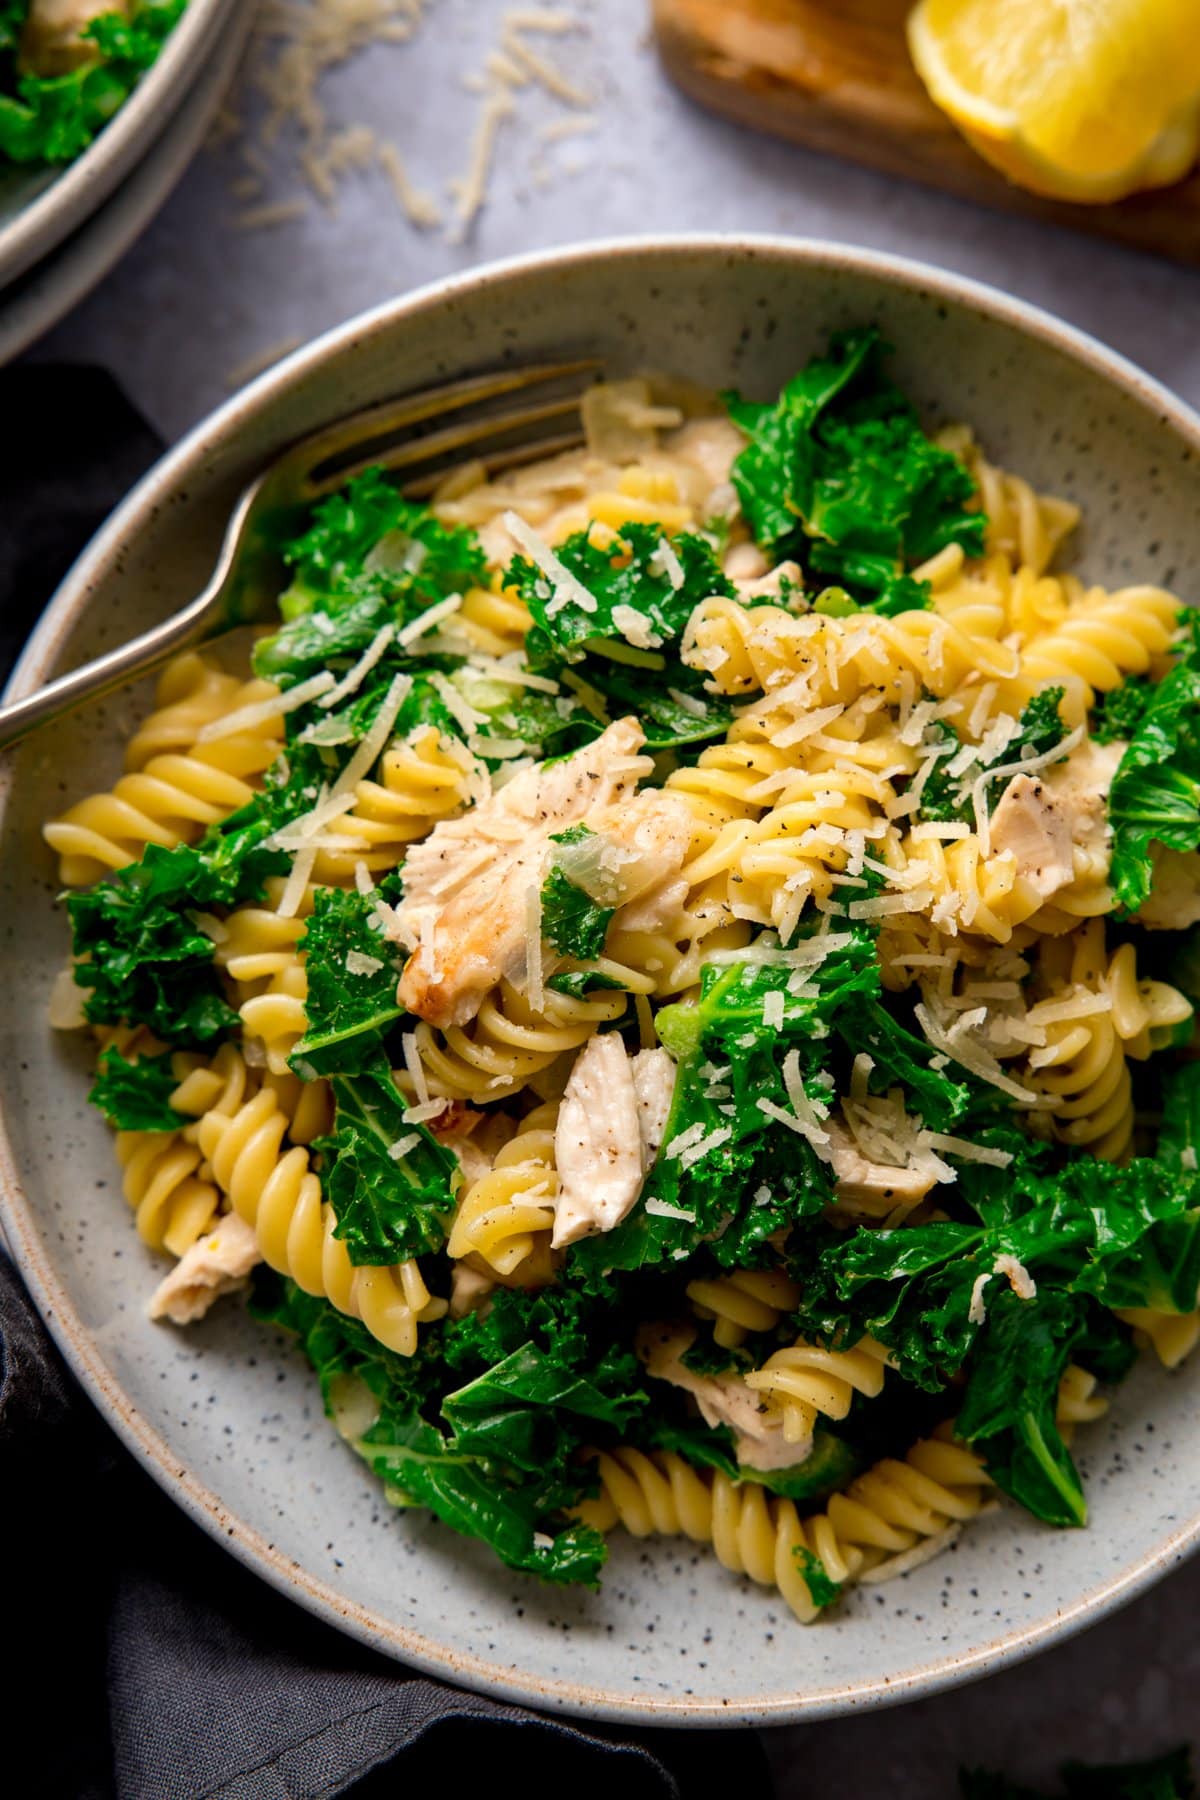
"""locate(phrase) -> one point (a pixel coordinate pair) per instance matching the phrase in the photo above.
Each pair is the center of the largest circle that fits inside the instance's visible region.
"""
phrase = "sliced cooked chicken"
(216, 1264)
(1174, 901)
(1044, 820)
(1031, 826)
(597, 1142)
(723, 1400)
(653, 1087)
(468, 887)
(876, 1187)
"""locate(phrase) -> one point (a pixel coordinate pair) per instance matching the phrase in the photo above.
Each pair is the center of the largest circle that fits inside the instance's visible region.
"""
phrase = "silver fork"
(403, 436)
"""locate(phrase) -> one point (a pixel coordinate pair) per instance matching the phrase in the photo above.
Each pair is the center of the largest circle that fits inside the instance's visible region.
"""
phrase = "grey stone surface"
(198, 297)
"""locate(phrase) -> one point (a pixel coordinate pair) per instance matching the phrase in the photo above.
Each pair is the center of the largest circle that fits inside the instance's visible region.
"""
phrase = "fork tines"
(410, 436)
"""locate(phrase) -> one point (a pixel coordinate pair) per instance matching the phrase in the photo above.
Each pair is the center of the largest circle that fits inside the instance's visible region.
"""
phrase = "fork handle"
(191, 626)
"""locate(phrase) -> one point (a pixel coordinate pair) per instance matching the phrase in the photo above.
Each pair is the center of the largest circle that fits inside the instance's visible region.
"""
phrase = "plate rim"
(82, 186)
(202, 1504)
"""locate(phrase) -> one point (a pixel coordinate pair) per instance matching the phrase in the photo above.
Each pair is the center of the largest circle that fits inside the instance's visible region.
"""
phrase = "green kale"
(389, 1182)
(633, 574)
(1178, 1147)
(706, 1357)
(352, 976)
(1088, 1233)
(575, 983)
(572, 921)
(136, 1096)
(517, 1514)
(472, 1495)
(727, 1174)
(1008, 1409)
(822, 1588)
(1117, 715)
(829, 1465)
(948, 798)
(53, 118)
(838, 474)
(369, 533)
(588, 650)
(138, 952)
(1155, 793)
(514, 1410)
(370, 559)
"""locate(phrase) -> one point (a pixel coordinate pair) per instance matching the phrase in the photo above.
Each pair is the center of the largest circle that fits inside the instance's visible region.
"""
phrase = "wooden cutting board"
(835, 75)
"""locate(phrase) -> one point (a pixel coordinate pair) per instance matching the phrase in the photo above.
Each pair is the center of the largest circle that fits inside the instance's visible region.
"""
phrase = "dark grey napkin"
(160, 1666)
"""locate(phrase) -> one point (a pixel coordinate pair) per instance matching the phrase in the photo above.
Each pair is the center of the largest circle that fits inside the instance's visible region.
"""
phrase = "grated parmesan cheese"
(412, 1062)
(249, 718)
(359, 963)
(567, 588)
(355, 676)
(297, 881)
(662, 1209)
(772, 1011)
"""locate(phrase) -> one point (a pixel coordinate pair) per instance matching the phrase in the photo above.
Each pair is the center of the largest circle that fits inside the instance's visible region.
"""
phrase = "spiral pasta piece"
(509, 1042)
(258, 948)
(164, 1181)
(422, 780)
(749, 1300)
(1098, 1016)
(278, 1195)
(174, 787)
(1172, 1336)
(887, 1519)
(505, 1218)
(1078, 1403)
(1022, 524)
(805, 1381)
(1101, 640)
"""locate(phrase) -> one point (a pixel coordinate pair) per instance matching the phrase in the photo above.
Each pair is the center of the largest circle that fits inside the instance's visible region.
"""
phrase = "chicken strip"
(468, 887)
(216, 1264)
(759, 1442)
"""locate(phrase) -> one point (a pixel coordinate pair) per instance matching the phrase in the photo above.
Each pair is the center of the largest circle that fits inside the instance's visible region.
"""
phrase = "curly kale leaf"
(390, 1183)
(838, 474)
(370, 559)
(621, 654)
(352, 971)
(947, 797)
(939, 1296)
(138, 951)
(727, 1173)
(644, 585)
(1155, 793)
(136, 1096)
(518, 1514)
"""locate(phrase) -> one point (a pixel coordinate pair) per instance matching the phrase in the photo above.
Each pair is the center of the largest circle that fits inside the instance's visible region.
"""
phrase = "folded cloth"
(154, 1664)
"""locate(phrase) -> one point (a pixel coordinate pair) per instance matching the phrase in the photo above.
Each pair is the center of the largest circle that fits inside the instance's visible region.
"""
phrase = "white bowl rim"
(82, 186)
(16, 1218)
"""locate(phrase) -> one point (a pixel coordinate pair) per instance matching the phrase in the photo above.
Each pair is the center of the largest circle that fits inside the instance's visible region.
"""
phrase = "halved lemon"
(1081, 99)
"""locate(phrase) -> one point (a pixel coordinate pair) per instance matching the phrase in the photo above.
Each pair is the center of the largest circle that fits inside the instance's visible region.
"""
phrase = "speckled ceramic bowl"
(227, 1418)
(40, 208)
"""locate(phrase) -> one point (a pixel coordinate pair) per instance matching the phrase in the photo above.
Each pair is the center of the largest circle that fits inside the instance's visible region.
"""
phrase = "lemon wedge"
(1080, 99)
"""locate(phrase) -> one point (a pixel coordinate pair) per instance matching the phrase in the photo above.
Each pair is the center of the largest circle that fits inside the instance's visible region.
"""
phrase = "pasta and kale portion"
(67, 66)
(672, 975)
